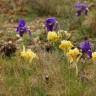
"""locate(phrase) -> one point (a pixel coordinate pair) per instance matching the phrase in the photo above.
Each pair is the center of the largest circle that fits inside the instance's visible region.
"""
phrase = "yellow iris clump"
(73, 55)
(52, 36)
(66, 45)
(28, 54)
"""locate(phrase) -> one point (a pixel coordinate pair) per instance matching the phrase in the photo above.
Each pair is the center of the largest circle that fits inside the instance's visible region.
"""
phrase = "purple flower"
(50, 24)
(22, 28)
(81, 7)
(89, 53)
(86, 48)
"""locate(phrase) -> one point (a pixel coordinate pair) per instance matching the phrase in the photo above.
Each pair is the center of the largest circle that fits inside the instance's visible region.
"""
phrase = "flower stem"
(76, 69)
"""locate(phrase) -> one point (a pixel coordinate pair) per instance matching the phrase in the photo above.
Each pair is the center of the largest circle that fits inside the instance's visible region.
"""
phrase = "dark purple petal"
(50, 27)
(84, 6)
(89, 53)
(22, 28)
(78, 13)
(51, 20)
(17, 29)
(81, 7)
(21, 33)
(50, 24)
(78, 6)
(85, 46)
(22, 23)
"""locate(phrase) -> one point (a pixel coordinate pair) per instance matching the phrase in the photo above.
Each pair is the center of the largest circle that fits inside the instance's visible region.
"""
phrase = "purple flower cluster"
(81, 7)
(50, 24)
(22, 28)
(86, 48)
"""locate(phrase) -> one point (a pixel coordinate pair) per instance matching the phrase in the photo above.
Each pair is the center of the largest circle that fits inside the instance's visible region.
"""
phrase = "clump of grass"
(90, 23)
(8, 49)
(53, 7)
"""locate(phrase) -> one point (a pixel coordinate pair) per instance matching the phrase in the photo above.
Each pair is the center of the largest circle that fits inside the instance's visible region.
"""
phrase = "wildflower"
(94, 57)
(66, 45)
(31, 55)
(86, 48)
(89, 52)
(28, 54)
(23, 53)
(50, 24)
(74, 56)
(64, 34)
(81, 7)
(67, 34)
(52, 36)
(22, 28)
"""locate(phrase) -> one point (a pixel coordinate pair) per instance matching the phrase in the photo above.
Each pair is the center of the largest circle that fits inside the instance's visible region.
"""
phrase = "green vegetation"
(50, 75)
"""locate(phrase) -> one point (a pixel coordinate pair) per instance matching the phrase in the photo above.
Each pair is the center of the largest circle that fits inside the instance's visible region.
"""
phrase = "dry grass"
(53, 7)
(50, 74)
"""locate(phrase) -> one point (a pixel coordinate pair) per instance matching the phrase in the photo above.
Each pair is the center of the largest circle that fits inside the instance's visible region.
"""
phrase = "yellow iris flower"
(94, 56)
(52, 36)
(74, 55)
(28, 54)
(64, 34)
(66, 45)
(67, 34)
